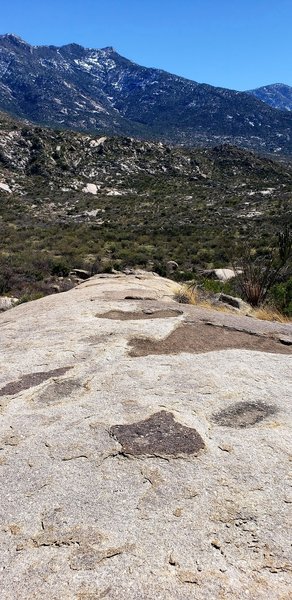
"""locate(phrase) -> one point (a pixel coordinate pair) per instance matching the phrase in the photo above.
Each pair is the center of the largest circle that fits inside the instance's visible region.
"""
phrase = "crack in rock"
(120, 315)
(88, 558)
(159, 435)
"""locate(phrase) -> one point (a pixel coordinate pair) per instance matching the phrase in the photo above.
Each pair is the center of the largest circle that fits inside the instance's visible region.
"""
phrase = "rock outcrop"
(144, 448)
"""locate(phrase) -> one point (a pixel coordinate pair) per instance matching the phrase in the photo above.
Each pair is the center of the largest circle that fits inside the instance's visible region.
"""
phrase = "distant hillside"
(100, 91)
(69, 199)
(276, 95)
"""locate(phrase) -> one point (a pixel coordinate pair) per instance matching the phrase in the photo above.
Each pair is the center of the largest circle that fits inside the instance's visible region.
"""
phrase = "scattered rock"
(90, 188)
(6, 302)
(287, 341)
(80, 273)
(226, 274)
(235, 302)
(171, 266)
(5, 188)
(220, 274)
(99, 142)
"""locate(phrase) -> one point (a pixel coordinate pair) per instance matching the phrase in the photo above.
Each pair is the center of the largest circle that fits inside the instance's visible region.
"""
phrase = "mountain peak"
(12, 37)
(277, 95)
(109, 49)
(71, 45)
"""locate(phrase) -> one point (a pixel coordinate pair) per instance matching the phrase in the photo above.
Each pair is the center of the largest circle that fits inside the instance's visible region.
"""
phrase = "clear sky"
(239, 44)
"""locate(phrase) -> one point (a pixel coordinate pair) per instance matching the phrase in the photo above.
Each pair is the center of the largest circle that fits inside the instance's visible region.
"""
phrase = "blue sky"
(240, 44)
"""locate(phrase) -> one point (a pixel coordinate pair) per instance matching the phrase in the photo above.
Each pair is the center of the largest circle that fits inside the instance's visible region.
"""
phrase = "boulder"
(225, 274)
(235, 302)
(7, 302)
(220, 274)
(80, 273)
(90, 188)
(171, 266)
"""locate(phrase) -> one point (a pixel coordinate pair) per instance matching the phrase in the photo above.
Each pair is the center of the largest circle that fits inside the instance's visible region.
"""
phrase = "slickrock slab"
(158, 476)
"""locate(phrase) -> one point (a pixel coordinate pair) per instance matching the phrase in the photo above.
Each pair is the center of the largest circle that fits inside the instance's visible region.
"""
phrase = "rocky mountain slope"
(72, 198)
(147, 446)
(276, 95)
(101, 91)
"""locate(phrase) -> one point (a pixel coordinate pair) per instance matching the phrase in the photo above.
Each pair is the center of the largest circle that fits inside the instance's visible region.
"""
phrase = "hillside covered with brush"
(73, 200)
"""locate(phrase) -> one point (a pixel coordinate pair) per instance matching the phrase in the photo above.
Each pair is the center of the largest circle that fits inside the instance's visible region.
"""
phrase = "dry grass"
(266, 313)
(218, 307)
(187, 295)
(190, 295)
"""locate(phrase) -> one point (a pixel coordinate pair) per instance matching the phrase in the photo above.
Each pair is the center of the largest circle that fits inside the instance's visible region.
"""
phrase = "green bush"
(28, 297)
(60, 268)
(214, 286)
(281, 296)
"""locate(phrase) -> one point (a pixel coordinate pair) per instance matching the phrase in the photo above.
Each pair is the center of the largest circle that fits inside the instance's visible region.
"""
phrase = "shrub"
(6, 276)
(28, 297)
(60, 268)
(281, 296)
(258, 274)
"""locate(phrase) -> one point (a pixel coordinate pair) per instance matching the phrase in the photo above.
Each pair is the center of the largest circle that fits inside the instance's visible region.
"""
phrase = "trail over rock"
(139, 457)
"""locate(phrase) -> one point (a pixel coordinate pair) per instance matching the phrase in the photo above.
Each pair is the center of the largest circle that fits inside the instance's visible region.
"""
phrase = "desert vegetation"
(149, 204)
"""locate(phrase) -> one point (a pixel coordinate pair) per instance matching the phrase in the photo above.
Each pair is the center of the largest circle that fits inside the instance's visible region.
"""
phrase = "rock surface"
(158, 476)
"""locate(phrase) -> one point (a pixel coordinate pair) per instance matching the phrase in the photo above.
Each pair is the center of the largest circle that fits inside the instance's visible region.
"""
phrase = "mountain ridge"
(276, 95)
(98, 90)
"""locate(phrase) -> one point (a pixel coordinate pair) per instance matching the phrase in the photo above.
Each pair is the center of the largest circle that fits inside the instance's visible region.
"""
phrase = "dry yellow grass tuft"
(188, 295)
(266, 313)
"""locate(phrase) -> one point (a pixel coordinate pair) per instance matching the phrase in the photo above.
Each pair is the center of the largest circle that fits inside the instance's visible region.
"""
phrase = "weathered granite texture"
(153, 474)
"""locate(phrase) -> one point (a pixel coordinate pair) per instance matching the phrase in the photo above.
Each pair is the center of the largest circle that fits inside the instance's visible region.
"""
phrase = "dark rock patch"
(31, 380)
(57, 391)
(244, 414)
(120, 315)
(199, 338)
(159, 435)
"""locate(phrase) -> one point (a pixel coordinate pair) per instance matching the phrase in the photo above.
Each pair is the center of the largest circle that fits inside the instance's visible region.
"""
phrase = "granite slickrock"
(152, 477)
